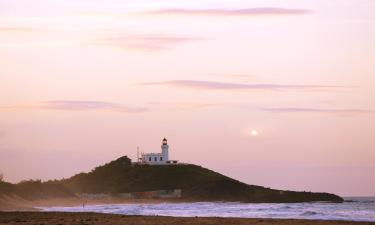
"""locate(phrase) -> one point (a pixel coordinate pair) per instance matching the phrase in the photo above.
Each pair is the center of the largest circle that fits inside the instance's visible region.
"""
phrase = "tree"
(1, 177)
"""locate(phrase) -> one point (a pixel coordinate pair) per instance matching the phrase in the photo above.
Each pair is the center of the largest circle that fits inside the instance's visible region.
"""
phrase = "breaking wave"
(309, 213)
(362, 209)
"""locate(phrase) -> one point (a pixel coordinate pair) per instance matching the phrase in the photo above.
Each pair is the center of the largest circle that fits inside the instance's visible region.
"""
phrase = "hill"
(197, 183)
(35, 190)
(120, 176)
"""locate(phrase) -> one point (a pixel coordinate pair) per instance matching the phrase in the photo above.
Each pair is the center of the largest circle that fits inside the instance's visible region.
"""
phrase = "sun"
(254, 132)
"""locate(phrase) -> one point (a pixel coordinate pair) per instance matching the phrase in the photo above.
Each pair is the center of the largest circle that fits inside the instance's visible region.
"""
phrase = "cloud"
(77, 105)
(14, 29)
(213, 85)
(240, 76)
(347, 112)
(150, 42)
(230, 12)
(175, 106)
(69, 105)
(90, 105)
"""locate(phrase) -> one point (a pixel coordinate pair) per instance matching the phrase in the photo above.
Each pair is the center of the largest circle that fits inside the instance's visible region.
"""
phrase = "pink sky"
(83, 82)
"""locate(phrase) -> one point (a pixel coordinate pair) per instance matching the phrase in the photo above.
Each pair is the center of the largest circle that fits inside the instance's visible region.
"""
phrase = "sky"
(273, 93)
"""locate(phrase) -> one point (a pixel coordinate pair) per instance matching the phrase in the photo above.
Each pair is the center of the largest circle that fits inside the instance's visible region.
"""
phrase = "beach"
(55, 218)
(15, 203)
(353, 209)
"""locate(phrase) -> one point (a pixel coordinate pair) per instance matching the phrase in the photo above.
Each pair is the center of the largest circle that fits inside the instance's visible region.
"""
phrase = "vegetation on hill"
(35, 189)
(196, 183)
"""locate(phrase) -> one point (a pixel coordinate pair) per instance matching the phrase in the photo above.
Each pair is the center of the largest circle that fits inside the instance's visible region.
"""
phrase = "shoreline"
(14, 207)
(19, 204)
(53, 218)
(14, 203)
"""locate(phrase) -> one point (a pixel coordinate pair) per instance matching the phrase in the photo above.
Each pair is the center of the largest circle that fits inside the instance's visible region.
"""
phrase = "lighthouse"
(164, 149)
(158, 158)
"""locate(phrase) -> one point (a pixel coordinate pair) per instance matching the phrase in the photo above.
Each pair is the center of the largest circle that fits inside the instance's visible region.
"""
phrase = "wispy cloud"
(149, 42)
(69, 105)
(213, 85)
(344, 112)
(115, 38)
(91, 105)
(185, 105)
(230, 12)
(20, 29)
(240, 76)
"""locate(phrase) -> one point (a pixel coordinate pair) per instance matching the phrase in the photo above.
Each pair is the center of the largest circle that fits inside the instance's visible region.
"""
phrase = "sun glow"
(254, 132)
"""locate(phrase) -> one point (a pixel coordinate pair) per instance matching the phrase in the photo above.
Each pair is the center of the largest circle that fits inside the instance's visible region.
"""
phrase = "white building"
(158, 158)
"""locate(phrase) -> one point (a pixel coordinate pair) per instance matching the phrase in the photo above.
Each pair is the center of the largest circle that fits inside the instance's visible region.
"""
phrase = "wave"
(310, 213)
(368, 200)
(357, 211)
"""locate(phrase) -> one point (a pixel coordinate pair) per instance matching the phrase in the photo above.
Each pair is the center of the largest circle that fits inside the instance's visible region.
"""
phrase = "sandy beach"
(15, 203)
(55, 218)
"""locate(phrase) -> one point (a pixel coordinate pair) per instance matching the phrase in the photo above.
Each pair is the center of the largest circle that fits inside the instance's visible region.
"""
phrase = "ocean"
(354, 209)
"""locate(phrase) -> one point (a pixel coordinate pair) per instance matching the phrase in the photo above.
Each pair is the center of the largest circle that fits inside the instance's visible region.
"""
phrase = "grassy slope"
(34, 190)
(196, 182)
(119, 176)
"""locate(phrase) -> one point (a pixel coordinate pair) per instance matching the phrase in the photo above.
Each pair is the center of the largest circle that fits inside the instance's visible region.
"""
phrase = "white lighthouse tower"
(164, 149)
(158, 158)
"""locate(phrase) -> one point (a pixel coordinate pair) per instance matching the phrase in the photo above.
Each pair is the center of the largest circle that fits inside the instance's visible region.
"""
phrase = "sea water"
(355, 209)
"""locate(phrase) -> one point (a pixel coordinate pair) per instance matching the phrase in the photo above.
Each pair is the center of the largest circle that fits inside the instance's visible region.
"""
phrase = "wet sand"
(60, 218)
(19, 204)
